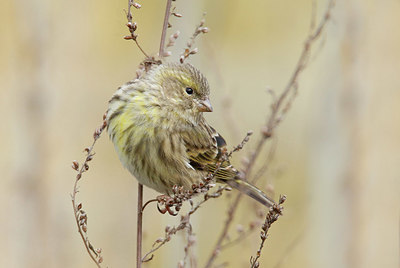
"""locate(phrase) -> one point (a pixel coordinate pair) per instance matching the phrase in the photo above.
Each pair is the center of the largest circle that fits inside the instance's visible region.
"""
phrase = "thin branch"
(132, 26)
(271, 217)
(164, 29)
(189, 50)
(167, 237)
(148, 202)
(241, 144)
(139, 226)
(190, 241)
(273, 121)
(79, 213)
(184, 223)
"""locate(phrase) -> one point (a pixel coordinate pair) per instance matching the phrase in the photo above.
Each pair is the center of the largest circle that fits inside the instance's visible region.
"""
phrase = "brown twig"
(189, 50)
(148, 202)
(241, 144)
(278, 109)
(79, 213)
(271, 217)
(164, 29)
(184, 223)
(173, 37)
(139, 226)
(132, 26)
(167, 237)
(191, 241)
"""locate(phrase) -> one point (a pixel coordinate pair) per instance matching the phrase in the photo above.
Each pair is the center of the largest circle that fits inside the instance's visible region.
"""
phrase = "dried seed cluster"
(272, 216)
(172, 204)
(80, 215)
(132, 26)
(189, 50)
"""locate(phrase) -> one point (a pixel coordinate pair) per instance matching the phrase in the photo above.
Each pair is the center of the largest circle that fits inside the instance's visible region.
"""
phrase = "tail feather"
(251, 191)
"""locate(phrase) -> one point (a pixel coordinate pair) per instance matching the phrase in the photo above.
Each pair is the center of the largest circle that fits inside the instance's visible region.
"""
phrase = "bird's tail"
(251, 191)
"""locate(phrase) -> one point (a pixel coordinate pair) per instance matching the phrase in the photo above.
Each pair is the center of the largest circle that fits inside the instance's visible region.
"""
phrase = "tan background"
(337, 156)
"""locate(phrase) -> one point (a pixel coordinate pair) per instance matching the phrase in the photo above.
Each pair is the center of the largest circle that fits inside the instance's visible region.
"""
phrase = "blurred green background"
(337, 156)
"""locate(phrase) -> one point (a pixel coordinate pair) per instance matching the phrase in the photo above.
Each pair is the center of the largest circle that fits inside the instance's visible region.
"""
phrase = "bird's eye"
(189, 90)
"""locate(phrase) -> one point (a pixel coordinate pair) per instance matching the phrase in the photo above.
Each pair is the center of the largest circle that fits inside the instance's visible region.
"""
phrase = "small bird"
(158, 129)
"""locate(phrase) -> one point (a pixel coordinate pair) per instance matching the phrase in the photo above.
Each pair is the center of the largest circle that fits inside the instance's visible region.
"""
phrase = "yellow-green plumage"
(157, 126)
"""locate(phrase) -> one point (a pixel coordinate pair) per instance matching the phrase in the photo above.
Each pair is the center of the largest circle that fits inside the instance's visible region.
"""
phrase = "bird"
(159, 132)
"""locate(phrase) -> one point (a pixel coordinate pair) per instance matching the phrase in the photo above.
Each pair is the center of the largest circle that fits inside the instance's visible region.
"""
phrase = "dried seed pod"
(178, 15)
(75, 165)
(136, 5)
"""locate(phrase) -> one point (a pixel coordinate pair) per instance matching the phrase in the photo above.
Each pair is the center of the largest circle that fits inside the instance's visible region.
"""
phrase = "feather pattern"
(157, 126)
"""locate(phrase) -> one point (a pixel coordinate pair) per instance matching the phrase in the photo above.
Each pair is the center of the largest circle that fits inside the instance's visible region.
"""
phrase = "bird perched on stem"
(157, 126)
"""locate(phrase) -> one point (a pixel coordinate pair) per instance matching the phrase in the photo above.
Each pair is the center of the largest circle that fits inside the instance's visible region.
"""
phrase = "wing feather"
(204, 148)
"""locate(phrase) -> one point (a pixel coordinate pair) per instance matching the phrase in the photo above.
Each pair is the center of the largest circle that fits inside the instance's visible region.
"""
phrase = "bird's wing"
(204, 148)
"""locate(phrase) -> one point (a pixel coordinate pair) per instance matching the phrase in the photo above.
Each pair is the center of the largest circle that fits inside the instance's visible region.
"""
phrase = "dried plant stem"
(189, 50)
(190, 241)
(132, 26)
(278, 110)
(139, 226)
(85, 240)
(165, 27)
(141, 49)
(184, 223)
(272, 216)
(79, 213)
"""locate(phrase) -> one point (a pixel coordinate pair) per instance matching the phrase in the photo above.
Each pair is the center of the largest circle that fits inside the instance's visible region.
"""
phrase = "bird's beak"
(205, 106)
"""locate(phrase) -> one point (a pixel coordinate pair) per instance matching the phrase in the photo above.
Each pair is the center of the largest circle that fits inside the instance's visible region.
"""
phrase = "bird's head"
(184, 88)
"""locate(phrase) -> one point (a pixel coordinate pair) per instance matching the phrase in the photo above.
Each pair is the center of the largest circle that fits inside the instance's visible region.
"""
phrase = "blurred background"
(337, 151)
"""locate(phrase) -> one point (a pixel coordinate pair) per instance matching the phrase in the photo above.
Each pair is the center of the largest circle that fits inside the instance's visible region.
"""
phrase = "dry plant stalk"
(132, 26)
(184, 223)
(189, 50)
(272, 216)
(279, 109)
(139, 226)
(80, 214)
